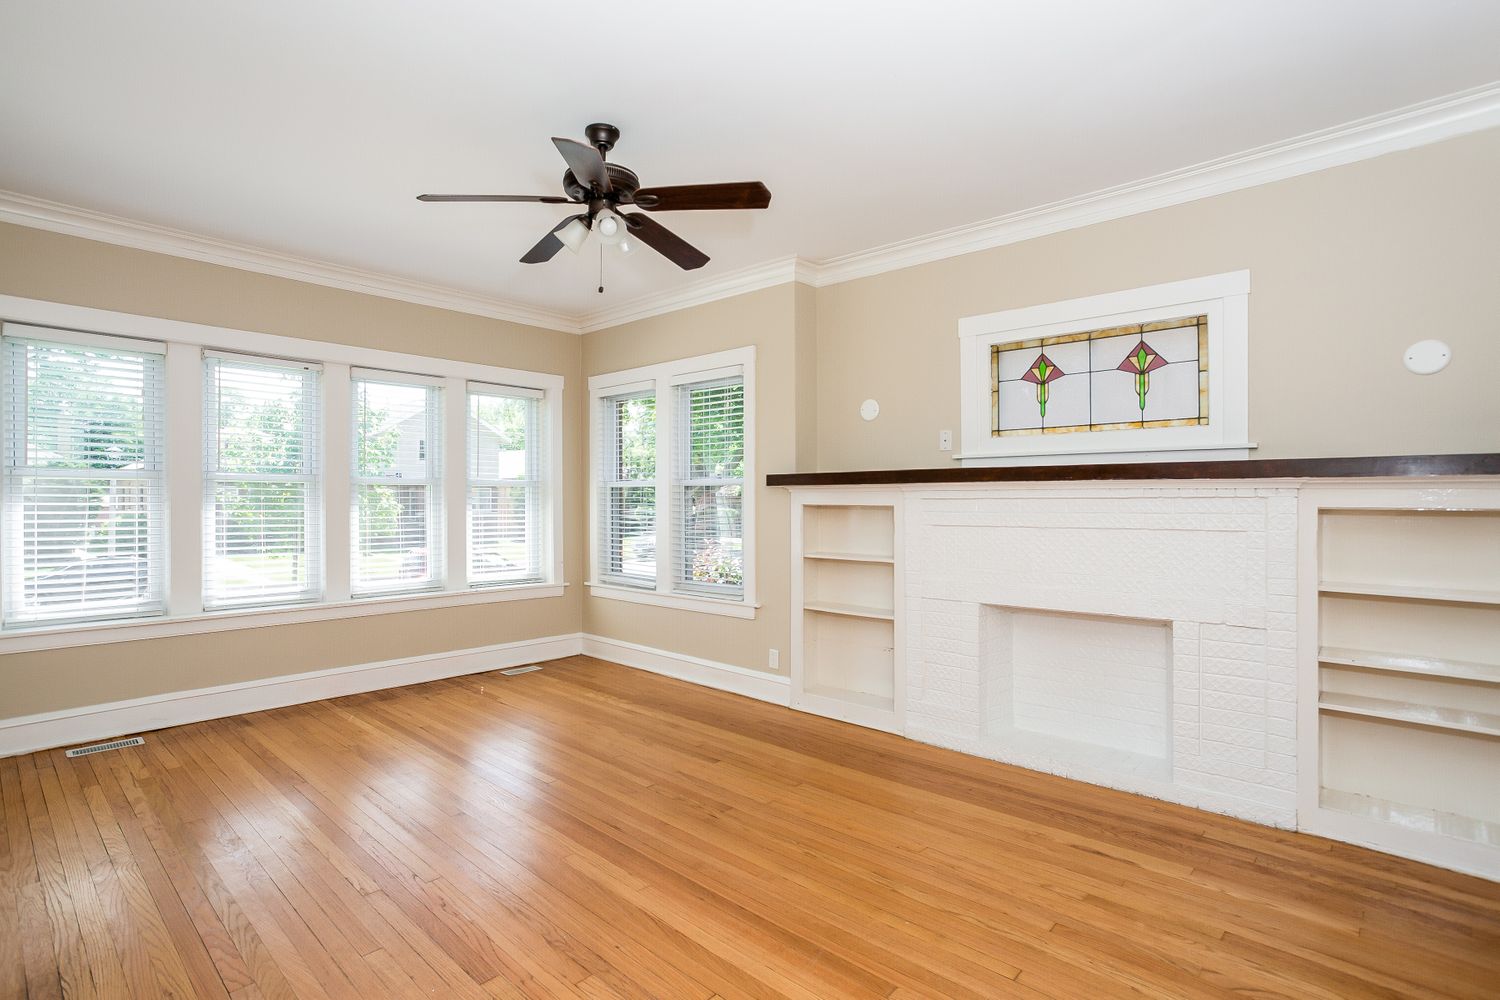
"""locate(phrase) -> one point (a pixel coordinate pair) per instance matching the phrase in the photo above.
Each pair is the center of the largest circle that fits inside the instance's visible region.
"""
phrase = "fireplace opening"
(1094, 691)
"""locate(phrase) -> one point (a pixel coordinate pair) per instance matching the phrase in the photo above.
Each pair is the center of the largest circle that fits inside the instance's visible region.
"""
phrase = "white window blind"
(397, 517)
(708, 487)
(507, 476)
(262, 505)
(84, 494)
(627, 484)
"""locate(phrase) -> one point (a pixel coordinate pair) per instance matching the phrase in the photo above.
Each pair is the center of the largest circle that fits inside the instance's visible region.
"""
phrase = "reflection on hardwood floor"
(590, 830)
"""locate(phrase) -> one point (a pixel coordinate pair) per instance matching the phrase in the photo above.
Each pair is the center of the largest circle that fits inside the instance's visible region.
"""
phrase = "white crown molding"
(1405, 128)
(55, 217)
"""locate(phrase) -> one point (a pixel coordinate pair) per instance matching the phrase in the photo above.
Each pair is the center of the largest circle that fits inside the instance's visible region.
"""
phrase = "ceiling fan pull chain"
(601, 268)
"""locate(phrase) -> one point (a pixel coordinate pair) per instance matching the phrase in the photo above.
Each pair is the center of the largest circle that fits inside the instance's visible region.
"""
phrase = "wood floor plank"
(593, 831)
(199, 944)
(69, 943)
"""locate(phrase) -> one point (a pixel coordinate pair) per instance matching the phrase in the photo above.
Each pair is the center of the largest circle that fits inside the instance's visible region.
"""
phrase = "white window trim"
(663, 377)
(184, 343)
(1224, 298)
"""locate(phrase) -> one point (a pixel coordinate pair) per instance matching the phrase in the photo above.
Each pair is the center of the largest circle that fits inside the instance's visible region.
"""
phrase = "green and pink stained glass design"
(1115, 378)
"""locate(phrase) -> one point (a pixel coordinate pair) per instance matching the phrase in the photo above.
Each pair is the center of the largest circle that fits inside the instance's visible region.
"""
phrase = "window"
(262, 506)
(507, 472)
(673, 519)
(84, 495)
(708, 485)
(162, 478)
(627, 518)
(397, 544)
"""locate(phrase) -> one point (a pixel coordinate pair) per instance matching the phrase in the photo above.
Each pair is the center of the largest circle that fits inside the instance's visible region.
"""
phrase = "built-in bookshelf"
(1404, 709)
(846, 661)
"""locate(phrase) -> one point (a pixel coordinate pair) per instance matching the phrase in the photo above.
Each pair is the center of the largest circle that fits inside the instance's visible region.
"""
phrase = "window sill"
(65, 636)
(705, 605)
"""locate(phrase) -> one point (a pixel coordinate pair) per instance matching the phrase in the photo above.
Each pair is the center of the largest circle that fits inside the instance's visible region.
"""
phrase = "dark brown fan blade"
(665, 242)
(699, 197)
(545, 199)
(585, 162)
(548, 245)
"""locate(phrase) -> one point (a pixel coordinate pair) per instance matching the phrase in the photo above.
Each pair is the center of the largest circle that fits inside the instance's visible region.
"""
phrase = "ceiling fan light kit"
(605, 187)
(572, 235)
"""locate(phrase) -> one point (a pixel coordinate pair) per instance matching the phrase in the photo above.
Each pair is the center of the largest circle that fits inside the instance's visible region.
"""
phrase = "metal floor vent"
(513, 671)
(134, 741)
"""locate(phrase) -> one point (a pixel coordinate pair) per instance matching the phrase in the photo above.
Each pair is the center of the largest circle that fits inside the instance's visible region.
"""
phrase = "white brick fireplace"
(1138, 637)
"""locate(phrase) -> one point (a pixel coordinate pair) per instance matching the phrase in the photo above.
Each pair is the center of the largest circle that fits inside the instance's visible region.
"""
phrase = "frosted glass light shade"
(573, 234)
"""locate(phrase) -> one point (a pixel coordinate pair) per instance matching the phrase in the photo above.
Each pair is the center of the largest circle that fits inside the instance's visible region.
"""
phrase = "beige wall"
(1347, 267)
(40, 265)
(767, 319)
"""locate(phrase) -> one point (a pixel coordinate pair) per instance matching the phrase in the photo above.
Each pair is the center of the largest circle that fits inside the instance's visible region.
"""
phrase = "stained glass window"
(1115, 378)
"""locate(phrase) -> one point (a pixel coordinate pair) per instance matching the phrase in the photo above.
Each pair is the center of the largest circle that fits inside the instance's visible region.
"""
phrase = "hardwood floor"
(594, 831)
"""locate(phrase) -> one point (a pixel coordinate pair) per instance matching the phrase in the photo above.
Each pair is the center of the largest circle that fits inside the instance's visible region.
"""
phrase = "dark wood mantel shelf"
(1382, 466)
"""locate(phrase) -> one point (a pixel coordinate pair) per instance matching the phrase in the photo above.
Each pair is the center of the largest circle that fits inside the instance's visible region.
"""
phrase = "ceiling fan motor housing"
(623, 180)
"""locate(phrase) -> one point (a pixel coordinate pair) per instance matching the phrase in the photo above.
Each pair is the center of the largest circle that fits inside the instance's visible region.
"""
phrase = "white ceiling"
(308, 128)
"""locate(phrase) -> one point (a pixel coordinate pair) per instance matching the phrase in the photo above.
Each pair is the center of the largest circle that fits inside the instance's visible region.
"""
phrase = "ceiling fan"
(605, 188)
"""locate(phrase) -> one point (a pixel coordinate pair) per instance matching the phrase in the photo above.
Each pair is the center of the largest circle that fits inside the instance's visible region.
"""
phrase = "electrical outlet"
(773, 660)
(945, 440)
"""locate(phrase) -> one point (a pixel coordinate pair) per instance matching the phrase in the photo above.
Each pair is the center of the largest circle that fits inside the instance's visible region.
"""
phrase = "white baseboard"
(67, 727)
(757, 684)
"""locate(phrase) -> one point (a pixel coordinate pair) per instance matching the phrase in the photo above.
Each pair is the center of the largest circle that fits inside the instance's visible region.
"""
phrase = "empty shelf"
(849, 557)
(1410, 593)
(1411, 817)
(882, 702)
(1425, 666)
(851, 610)
(1453, 719)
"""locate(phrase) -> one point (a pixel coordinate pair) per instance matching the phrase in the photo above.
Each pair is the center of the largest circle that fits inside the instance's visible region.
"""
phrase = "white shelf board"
(861, 557)
(1409, 592)
(884, 703)
(1411, 817)
(1424, 666)
(850, 610)
(1453, 719)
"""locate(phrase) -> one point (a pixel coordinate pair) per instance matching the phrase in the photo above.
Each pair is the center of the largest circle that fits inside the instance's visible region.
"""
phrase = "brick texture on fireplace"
(1215, 565)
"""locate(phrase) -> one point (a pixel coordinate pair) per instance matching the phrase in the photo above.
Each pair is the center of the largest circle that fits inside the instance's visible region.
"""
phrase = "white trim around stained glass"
(1146, 374)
